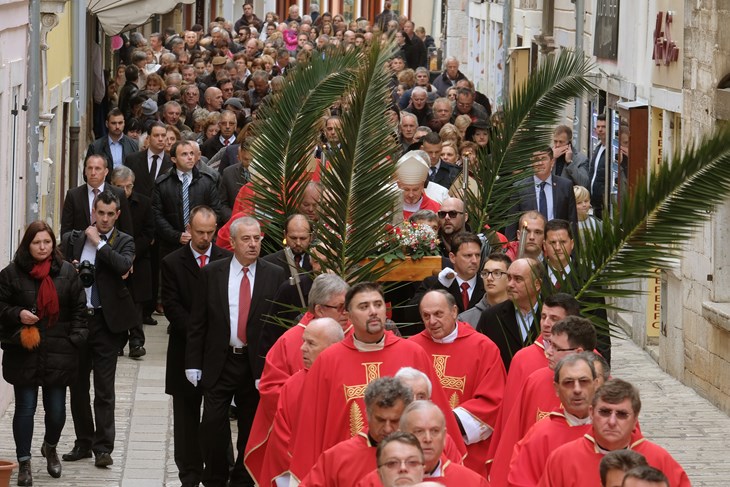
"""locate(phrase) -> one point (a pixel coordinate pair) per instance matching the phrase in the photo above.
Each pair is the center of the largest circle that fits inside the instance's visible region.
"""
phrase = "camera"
(86, 273)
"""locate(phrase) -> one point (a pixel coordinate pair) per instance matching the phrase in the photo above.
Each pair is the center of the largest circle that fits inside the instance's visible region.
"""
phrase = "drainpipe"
(506, 40)
(78, 16)
(580, 12)
(34, 107)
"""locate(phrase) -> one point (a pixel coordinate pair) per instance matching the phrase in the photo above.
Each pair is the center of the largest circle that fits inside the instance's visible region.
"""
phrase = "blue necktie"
(186, 198)
(543, 201)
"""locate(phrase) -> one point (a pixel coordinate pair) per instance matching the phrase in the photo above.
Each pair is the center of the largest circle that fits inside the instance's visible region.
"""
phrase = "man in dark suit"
(115, 146)
(225, 137)
(441, 172)
(140, 280)
(462, 282)
(180, 278)
(597, 169)
(298, 236)
(111, 313)
(515, 323)
(79, 201)
(150, 164)
(231, 300)
(233, 177)
(172, 205)
(561, 276)
(551, 195)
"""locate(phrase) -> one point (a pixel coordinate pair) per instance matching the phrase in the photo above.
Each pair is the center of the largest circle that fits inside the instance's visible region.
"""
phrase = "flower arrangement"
(414, 240)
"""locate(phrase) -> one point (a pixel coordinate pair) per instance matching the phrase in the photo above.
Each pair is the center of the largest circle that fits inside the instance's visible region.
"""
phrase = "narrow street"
(674, 416)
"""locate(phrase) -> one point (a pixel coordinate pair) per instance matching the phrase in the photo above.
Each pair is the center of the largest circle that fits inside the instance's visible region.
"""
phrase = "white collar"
(197, 254)
(369, 347)
(450, 338)
(575, 421)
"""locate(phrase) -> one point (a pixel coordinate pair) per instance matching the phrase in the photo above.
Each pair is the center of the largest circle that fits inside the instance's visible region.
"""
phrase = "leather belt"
(238, 350)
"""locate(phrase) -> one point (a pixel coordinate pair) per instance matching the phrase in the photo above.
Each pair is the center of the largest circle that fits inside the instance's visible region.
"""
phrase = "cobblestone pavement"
(672, 415)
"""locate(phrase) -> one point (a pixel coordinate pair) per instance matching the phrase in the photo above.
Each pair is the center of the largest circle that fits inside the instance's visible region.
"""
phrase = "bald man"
(319, 334)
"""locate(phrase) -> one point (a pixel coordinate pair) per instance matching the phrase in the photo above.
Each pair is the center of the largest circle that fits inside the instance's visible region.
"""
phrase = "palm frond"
(287, 133)
(359, 196)
(526, 127)
(656, 219)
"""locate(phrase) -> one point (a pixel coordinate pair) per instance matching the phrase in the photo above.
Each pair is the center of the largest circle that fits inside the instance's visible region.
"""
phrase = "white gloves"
(447, 276)
(193, 376)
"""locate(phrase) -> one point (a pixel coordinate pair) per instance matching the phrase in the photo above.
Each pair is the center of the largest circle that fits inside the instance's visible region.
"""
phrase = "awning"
(121, 15)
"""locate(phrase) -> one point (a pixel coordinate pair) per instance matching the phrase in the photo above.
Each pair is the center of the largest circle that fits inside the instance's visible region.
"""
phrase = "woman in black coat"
(42, 326)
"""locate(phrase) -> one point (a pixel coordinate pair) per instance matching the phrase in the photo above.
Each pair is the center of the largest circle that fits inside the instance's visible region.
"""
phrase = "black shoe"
(25, 477)
(77, 453)
(149, 320)
(232, 413)
(137, 352)
(103, 460)
(53, 463)
(121, 352)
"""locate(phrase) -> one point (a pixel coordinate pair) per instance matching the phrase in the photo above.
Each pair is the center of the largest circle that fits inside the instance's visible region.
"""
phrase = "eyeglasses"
(494, 274)
(410, 464)
(451, 214)
(607, 413)
(340, 307)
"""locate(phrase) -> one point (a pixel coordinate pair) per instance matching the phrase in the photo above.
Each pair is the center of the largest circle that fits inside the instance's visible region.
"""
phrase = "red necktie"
(465, 295)
(203, 258)
(244, 305)
(225, 142)
(92, 215)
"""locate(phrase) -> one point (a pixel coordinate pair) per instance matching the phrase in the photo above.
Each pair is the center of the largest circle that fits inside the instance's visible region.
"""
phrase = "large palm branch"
(656, 219)
(527, 122)
(287, 132)
(359, 196)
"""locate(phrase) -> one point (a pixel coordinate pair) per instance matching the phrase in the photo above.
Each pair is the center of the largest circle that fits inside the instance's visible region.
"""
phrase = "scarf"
(46, 303)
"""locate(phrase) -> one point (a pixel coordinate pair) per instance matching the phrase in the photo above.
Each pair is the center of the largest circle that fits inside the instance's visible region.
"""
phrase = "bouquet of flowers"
(414, 240)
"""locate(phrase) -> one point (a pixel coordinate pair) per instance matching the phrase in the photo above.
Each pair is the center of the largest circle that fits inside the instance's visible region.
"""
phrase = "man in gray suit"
(115, 146)
(569, 163)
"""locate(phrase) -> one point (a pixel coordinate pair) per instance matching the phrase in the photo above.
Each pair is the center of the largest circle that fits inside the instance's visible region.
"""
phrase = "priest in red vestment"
(529, 359)
(426, 421)
(284, 359)
(614, 413)
(319, 334)
(412, 176)
(470, 369)
(344, 464)
(332, 400)
(538, 396)
(575, 382)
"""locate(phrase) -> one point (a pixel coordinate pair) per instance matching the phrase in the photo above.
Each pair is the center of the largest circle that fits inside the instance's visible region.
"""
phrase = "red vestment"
(426, 204)
(472, 374)
(452, 475)
(344, 464)
(532, 451)
(332, 408)
(536, 401)
(575, 464)
(283, 360)
(277, 456)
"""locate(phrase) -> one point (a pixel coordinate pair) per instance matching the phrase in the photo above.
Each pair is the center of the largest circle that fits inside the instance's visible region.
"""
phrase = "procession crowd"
(486, 373)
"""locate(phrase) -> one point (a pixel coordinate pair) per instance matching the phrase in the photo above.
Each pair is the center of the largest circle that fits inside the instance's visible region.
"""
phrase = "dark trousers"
(100, 355)
(236, 381)
(186, 417)
(136, 333)
(148, 307)
(26, 401)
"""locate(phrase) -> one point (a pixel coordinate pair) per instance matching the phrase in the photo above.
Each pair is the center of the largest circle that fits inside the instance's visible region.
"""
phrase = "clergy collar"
(369, 347)
(576, 421)
(450, 338)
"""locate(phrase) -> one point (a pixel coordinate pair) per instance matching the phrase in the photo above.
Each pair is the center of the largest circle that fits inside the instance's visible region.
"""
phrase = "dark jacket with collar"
(443, 83)
(167, 204)
(101, 146)
(143, 182)
(180, 278)
(143, 221)
(499, 323)
(55, 362)
(76, 213)
(231, 182)
(113, 261)
(524, 198)
(445, 175)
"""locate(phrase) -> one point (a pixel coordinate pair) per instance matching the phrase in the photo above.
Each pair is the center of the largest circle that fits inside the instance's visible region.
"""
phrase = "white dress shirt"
(160, 156)
(548, 195)
(91, 196)
(235, 275)
(89, 253)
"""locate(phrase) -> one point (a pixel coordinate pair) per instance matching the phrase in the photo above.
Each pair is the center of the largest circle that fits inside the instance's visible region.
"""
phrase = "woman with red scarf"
(42, 326)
